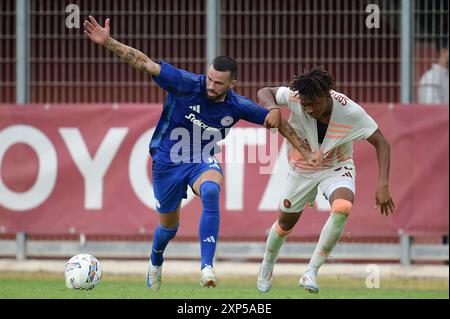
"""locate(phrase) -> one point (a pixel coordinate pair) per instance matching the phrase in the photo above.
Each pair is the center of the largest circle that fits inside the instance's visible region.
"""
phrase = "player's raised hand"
(95, 32)
(384, 201)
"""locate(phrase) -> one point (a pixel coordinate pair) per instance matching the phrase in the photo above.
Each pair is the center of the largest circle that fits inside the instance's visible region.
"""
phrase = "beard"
(215, 97)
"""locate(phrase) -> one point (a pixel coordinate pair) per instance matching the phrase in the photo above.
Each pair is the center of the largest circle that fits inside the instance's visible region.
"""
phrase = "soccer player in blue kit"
(200, 109)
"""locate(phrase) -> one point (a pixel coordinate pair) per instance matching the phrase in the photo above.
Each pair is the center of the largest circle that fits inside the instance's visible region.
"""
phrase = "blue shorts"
(170, 181)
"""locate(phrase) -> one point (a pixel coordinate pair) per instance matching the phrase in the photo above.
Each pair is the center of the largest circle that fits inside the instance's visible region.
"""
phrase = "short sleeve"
(366, 126)
(282, 96)
(178, 81)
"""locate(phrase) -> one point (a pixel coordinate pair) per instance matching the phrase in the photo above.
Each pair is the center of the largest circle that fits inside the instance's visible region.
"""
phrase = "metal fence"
(272, 40)
(67, 67)
(405, 250)
(275, 40)
(7, 51)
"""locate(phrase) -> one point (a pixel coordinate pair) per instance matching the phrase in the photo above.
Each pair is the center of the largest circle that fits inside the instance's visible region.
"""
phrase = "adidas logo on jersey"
(195, 108)
(209, 239)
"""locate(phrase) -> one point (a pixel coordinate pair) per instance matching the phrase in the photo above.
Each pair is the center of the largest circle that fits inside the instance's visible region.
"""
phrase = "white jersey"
(433, 86)
(348, 122)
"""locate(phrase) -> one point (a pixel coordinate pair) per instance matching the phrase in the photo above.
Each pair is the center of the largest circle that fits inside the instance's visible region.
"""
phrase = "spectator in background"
(433, 85)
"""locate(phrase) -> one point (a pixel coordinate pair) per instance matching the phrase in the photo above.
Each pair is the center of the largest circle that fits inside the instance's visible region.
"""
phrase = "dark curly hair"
(314, 83)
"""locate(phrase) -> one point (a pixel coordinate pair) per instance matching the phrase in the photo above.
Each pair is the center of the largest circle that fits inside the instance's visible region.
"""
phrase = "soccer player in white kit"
(328, 122)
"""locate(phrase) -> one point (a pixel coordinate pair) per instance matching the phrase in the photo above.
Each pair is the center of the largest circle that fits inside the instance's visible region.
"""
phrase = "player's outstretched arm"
(266, 98)
(382, 197)
(135, 58)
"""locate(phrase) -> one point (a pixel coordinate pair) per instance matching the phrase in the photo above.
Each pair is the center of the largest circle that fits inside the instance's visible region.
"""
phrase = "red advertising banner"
(86, 169)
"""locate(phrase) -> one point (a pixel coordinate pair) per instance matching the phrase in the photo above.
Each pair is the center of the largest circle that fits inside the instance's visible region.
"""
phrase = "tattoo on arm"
(289, 133)
(134, 57)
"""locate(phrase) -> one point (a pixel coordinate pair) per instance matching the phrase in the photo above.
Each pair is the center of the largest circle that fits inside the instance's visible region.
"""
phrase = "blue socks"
(208, 228)
(161, 238)
(209, 221)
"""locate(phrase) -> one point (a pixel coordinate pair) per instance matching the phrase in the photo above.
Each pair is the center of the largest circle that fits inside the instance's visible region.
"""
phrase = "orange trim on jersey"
(341, 125)
(338, 131)
(340, 159)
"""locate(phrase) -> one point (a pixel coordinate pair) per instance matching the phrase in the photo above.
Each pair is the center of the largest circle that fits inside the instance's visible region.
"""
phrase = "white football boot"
(264, 282)
(208, 277)
(308, 281)
(154, 276)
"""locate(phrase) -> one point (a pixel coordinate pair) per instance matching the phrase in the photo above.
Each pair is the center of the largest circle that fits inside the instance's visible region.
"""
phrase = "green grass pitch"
(43, 285)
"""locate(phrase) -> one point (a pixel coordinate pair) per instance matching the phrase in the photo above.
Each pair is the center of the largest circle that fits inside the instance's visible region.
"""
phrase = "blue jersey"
(191, 125)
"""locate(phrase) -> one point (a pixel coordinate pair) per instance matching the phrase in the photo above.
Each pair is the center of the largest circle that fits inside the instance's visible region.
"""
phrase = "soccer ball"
(83, 271)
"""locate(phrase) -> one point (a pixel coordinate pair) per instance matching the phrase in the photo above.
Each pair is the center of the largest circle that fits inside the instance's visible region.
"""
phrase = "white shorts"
(301, 188)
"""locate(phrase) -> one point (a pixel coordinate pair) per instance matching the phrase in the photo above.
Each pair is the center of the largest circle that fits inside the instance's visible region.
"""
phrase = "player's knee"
(341, 206)
(166, 233)
(209, 190)
(283, 229)
(209, 193)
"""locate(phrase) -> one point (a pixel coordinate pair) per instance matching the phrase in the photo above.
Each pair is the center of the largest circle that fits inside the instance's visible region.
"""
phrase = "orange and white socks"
(329, 236)
(275, 240)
